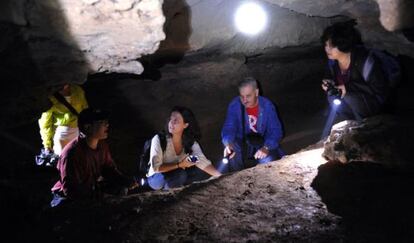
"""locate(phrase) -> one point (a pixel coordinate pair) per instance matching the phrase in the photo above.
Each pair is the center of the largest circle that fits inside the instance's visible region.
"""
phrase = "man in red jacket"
(86, 166)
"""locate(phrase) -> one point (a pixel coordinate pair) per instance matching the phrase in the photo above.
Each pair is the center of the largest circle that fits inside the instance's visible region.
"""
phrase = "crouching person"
(85, 165)
(176, 158)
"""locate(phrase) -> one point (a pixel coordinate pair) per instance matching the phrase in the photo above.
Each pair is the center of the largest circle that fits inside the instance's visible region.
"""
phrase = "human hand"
(343, 90)
(48, 150)
(229, 151)
(186, 163)
(261, 153)
(133, 185)
(325, 84)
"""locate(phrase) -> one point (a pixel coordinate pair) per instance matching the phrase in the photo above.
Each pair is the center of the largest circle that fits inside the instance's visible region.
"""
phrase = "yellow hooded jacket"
(59, 115)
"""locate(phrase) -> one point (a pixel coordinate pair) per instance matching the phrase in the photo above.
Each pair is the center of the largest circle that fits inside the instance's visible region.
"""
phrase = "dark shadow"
(177, 29)
(37, 50)
(128, 127)
(409, 34)
(404, 104)
(406, 18)
(375, 203)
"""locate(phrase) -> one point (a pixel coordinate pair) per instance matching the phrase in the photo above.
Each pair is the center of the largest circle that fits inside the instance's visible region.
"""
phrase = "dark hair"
(90, 115)
(342, 35)
(191, 133)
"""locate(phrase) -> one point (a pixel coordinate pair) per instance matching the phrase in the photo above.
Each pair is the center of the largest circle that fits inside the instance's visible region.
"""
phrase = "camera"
(46, 158)
(332, 91)
(192, 158)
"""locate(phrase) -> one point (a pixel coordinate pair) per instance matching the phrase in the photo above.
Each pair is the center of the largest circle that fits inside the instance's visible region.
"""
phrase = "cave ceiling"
(93, 36)
(54, 41)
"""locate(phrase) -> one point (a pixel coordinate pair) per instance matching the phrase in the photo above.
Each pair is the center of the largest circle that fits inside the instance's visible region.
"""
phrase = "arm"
(328, 74)
(47, 129)
(79, 103)
(273, 132)
(229, 130)
(82, 98)
(109, 168)
(70, 177)
(203, 163)
(156, 158)
(212, 171)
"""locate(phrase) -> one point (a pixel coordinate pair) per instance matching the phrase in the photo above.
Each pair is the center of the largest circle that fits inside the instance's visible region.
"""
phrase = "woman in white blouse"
(171, 152)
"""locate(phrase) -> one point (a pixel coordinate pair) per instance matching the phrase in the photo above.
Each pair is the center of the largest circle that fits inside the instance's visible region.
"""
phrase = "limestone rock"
(68, 38)
(381, 139)
(193, 25)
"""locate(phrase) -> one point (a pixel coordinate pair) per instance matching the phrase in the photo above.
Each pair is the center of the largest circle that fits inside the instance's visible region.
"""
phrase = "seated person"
(170, 155)
(85, 165)
(360, 98)
(252, 129)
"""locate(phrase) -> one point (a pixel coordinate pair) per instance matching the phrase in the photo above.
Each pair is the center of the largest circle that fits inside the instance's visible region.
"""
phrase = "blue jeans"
(176, 178)
(237, 164)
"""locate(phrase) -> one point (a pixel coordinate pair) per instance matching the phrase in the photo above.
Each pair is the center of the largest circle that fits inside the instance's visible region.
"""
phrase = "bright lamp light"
(250, 18)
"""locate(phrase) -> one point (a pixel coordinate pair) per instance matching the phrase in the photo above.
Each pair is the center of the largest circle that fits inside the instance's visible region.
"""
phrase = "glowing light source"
(337, 101)
(250, 18)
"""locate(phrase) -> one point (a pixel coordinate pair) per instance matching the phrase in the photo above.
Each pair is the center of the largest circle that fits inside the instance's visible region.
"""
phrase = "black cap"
(90, 115)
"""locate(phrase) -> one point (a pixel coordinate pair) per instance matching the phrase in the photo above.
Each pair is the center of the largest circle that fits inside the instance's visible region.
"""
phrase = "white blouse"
(159, 157)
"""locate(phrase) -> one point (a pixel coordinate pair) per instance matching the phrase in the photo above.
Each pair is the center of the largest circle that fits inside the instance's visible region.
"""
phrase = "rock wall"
(68, 39)
(382, 139)
(53, 41)
(210, 24)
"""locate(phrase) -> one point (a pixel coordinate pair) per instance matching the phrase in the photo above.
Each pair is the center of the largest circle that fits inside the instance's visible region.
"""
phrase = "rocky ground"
(301, 198)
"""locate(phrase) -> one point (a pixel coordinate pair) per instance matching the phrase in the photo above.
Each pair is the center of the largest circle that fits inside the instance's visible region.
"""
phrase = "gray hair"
(248, 81)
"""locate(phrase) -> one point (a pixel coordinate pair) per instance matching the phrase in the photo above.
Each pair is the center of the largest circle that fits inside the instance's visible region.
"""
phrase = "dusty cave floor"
(301, 198)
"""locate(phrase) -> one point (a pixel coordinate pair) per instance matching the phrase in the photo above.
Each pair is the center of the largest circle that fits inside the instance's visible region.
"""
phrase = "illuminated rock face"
(53, 41)
(195, 25)
(210, 25)
(394, 15)
(69, 38)
(115, 33)
(379, 139)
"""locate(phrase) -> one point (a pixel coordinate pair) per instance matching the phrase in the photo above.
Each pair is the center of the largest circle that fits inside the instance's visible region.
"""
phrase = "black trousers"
(356, 106)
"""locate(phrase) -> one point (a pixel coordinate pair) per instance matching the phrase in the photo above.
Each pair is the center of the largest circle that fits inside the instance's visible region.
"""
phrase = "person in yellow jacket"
(58, 125)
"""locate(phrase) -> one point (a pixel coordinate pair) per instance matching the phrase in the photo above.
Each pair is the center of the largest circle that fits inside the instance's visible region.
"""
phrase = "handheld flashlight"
(337, 101)
(226, 159)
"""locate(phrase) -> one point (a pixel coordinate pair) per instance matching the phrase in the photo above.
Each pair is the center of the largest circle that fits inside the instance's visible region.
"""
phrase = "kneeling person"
(86, 164)
(252, 129)
(176, 158)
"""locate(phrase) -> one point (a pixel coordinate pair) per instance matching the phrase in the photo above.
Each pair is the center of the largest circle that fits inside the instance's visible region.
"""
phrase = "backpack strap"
(368, 64)
(63, 101)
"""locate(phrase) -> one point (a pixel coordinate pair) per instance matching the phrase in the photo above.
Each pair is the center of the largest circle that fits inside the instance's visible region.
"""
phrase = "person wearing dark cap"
(86, 166)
